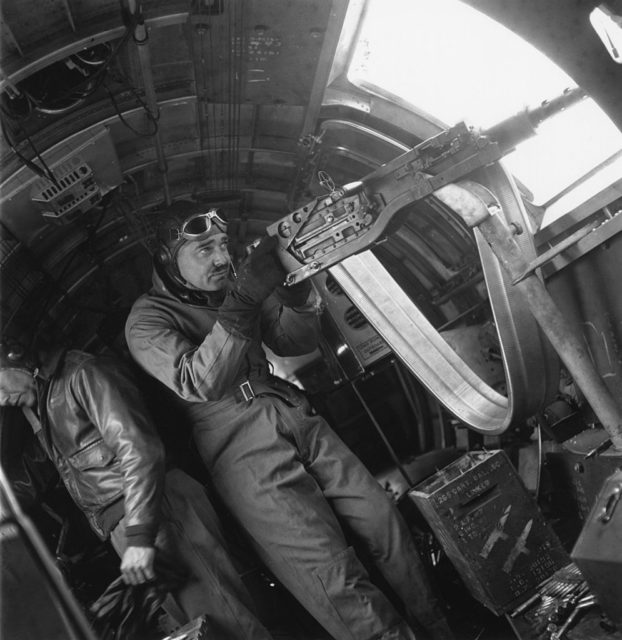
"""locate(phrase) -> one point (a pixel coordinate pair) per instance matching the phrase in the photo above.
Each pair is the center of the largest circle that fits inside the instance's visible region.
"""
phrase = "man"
(90, 419)
(282, 472)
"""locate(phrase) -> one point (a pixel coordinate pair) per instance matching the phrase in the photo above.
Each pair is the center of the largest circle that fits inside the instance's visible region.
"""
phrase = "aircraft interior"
(448, 176)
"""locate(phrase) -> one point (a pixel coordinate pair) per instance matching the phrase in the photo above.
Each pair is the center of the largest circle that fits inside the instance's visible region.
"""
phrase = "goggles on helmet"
(14, 356)
(199, 225)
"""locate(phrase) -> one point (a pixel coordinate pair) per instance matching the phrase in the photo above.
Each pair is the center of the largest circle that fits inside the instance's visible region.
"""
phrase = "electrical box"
(74, 193)
(490, 528)
(86, 167)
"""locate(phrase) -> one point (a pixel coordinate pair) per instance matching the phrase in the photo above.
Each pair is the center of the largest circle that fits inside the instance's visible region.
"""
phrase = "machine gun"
(349, 220)
(358, 215)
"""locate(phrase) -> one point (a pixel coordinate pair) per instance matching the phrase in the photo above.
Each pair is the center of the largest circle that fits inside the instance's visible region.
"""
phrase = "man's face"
(17, 388)
(204, 264)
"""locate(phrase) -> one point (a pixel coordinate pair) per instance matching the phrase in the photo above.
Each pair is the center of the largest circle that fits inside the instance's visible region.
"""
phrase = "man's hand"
(294, 296)
(137, 565)
(260, 272)
(258, 276)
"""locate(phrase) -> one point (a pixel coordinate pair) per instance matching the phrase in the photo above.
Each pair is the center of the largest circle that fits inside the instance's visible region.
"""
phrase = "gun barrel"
(510, 132)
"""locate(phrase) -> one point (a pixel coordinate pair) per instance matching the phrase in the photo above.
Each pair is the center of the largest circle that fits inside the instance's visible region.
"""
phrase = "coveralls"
(281, 470)
(93, 425)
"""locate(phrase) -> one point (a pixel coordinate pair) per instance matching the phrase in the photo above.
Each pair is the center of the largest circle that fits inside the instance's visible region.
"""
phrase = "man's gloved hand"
(294, 296)
(260, 272)
(258, 276)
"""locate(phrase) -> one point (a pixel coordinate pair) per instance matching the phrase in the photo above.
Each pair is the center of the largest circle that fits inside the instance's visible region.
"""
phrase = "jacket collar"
(162, 285)
(51, 363)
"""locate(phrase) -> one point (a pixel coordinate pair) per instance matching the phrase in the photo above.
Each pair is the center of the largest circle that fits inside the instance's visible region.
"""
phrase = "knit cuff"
(141, 535)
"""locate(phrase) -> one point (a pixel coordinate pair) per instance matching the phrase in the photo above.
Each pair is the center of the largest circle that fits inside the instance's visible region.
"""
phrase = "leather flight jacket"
(97, 431)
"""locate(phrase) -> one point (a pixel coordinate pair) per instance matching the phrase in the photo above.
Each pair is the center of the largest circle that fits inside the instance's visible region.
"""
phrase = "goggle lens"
(201, 224)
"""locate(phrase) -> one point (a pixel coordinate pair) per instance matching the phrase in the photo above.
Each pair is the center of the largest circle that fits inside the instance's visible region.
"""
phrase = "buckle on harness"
(247, 391)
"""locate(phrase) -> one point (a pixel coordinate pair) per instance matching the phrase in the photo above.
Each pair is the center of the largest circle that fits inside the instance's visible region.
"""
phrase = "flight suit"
(283, 473)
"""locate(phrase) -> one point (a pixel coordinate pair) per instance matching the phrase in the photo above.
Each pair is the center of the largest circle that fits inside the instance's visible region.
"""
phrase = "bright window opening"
(456, 64)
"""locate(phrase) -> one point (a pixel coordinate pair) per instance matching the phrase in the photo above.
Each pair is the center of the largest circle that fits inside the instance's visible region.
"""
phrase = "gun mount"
(354, 217)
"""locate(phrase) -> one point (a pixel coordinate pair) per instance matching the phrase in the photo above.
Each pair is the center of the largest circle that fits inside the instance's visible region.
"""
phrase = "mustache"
(220, 270)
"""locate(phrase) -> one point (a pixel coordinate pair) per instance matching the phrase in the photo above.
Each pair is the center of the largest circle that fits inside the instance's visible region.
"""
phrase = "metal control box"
(490, 528)
(74, 193)
(598, 550)
(364, 341)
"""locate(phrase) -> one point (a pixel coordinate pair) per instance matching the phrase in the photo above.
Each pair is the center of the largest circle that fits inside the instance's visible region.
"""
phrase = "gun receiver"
(351, 218)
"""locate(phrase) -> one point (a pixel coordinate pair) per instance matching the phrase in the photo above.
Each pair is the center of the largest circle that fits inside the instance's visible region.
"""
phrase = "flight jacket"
(97, 431)
(185, 347)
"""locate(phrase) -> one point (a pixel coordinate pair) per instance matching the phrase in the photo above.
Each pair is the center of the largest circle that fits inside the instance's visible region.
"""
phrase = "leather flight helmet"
(184, 221)
(14, 355)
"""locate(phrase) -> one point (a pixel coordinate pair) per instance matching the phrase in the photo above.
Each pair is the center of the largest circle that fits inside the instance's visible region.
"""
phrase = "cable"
(42, 172)
(153, 119)
(135, 221)
(65, 294)
(385, 440)
(212, 135)
(91, 83)
(230, 93)
(219, 118)
(239, 49)
(207, 110)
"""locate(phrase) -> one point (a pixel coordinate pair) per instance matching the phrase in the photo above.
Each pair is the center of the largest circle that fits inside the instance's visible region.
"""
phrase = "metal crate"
(490, 528)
